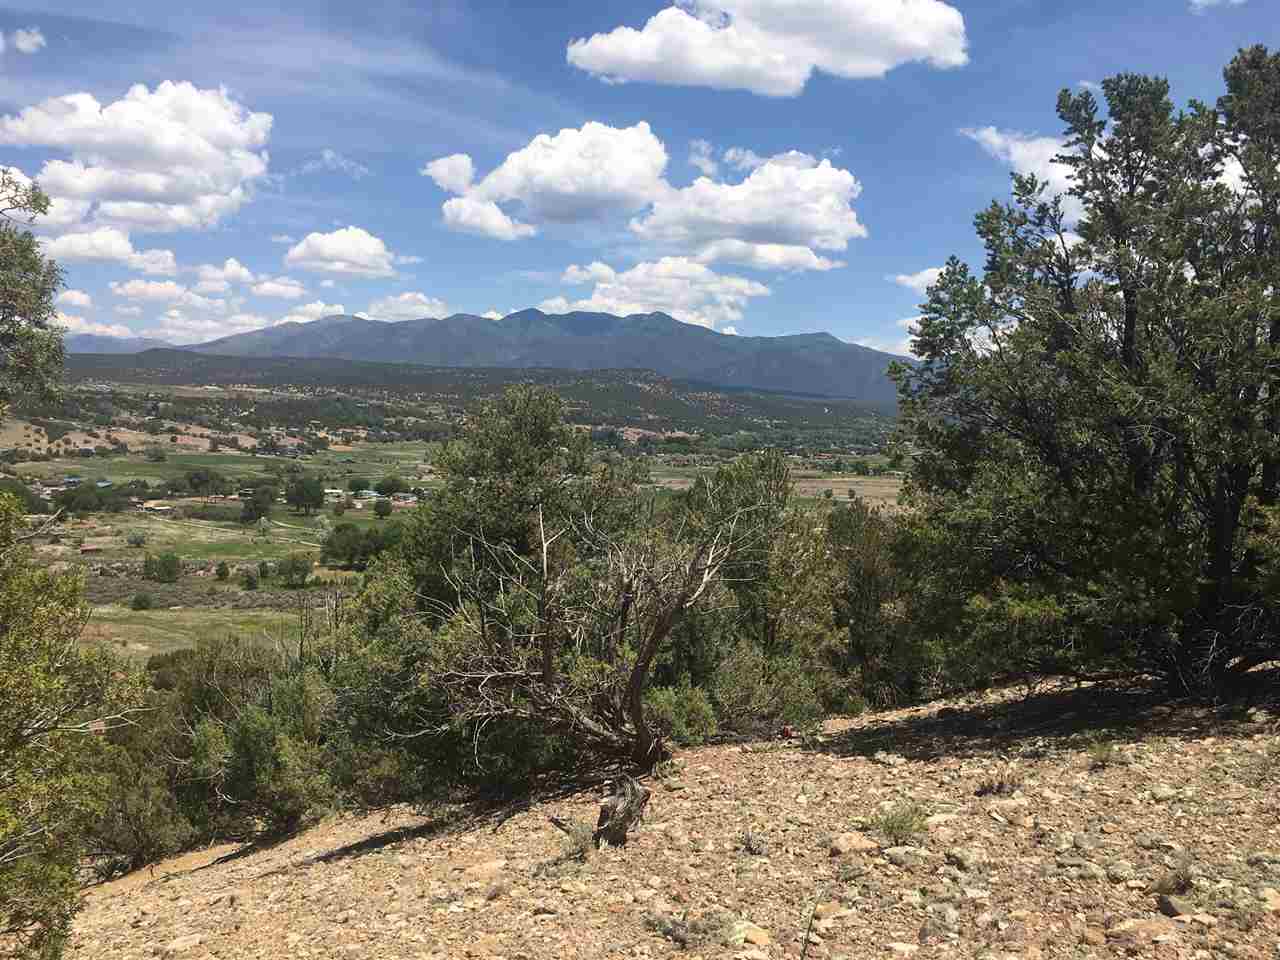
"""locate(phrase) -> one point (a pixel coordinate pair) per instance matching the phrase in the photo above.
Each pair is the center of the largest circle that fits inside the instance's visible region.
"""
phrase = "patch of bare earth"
(1074, 824)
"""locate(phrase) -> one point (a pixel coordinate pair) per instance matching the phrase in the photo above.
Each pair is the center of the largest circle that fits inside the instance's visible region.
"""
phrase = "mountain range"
(810, 363)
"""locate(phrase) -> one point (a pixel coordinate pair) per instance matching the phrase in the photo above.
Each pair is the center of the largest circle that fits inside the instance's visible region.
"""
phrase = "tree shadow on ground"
(1050, 720)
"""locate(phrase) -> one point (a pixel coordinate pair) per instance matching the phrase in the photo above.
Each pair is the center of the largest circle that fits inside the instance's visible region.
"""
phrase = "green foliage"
(23, 494)
(249, 580)
(141, 601)
(902, 823)
(382, 509)
(305, 494)
(223, 570)
(683, 714)
(257, 506)
(389, 485)
(1094, 424)
(51, 690)
(294, 570)
(162, 568)
(136, 539)
(351, 546)
(31, 361)
(139, 821)
(752, 691)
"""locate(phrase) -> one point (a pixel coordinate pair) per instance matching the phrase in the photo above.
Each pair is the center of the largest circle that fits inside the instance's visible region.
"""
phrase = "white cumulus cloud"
(772, 47)
(1199, 6)
(574, 176)
(919, 281)
(412, 305)
(349, 250)
(452, 174)
(77, 324)
(315, 310)
(112, 245)
(176, 157)
(483, 217)
(1029, 153)
(30, 40)
(791, 200)
(166, 291)
(282, 288)
(75, 298)
(683, 288)
(177, 325)
(766, 256)
(702, 156)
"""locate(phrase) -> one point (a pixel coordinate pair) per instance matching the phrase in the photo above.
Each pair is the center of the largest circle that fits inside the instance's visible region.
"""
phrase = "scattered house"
(72, 481)
(157, 506)
(103, 484)
(89, 548)
(334, 493)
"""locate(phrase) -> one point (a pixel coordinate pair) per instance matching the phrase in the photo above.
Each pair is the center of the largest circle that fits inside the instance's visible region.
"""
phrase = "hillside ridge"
(1033, 842)
(810, 363)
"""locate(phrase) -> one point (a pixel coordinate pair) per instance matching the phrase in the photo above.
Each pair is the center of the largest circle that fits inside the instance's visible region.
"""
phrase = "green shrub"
(140, 601)
(140, 822)
(223, 571)
(249, 580)
(136, 539)
(684, 714)
(753, 691)
(294, 570)
(162, 568)
(903, 822)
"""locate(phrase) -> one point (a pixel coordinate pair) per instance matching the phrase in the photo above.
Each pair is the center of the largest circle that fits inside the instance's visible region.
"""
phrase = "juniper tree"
(1096, 415)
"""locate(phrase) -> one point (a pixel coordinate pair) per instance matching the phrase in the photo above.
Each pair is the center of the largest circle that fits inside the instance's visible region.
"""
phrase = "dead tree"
(620, 812)
(566, 635)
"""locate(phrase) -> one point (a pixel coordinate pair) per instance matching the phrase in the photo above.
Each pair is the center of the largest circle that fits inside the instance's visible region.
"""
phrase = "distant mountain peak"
(806, 363)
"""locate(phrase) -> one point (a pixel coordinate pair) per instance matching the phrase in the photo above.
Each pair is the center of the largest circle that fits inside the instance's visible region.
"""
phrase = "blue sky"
(758, 166)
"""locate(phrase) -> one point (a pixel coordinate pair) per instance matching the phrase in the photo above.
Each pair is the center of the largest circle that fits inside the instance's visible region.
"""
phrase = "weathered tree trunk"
(620, 812)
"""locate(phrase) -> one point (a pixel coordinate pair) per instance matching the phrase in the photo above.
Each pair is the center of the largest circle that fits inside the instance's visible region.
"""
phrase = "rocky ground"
(1072, 824)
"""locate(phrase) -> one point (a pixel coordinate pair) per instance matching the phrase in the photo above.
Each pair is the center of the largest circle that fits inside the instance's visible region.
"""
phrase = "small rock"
(1172, 906)
(1270, 897)
(847, 843)
(904, 856)
(1084, 842)
(889, 759)
(831, 910)
(1120, 871)
(183, 944)
(1093, 937)
(744, 931)
(1140, 932)
(966, 858)
(1162, 793)
(488, 870)
(903, 949)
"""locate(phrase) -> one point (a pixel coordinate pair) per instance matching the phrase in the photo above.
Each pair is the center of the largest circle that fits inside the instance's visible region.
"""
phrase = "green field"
(144, 633)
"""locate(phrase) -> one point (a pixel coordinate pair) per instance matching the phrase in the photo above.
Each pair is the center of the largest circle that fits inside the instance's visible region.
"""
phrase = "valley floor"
(1051, 822)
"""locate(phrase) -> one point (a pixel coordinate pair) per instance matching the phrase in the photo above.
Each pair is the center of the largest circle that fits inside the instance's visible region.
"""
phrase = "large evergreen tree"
(1096, 416)
(30, 343)
(54, 694)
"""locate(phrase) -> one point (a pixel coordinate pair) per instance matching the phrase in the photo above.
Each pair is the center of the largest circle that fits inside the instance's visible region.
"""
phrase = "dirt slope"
(750, 850)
